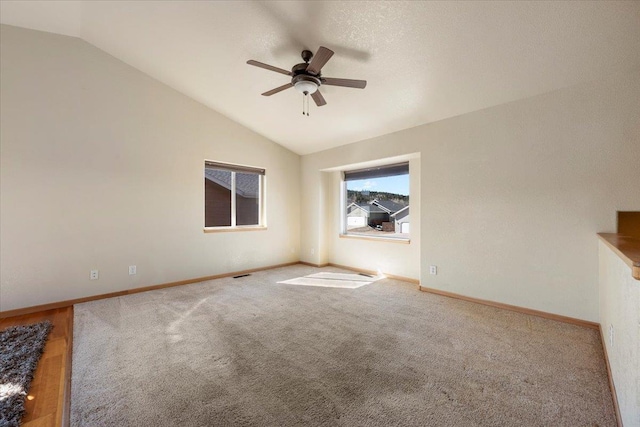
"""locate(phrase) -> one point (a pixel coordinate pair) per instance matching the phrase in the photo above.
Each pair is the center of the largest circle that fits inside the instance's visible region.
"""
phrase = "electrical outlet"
(132, 270)
(313, 251)
(433, 270)
(94, 275)
(611, 335)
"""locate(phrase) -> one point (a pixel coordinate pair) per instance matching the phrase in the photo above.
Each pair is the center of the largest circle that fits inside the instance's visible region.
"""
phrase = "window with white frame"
(233, 196)
(376, 201)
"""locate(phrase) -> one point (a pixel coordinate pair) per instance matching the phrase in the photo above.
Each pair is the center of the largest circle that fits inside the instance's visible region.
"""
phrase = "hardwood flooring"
(47, 403)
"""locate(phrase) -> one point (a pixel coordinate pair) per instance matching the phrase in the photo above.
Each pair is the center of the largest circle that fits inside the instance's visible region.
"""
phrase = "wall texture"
(511, 197)
(620, 309)
(102, 167)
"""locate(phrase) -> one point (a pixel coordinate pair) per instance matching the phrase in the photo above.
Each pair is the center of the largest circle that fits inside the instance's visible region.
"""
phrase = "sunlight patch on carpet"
(8, 390)
(333, 280)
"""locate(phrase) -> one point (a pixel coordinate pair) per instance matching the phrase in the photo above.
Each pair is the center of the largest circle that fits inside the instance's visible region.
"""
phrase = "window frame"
(370, 172)
(234, 169)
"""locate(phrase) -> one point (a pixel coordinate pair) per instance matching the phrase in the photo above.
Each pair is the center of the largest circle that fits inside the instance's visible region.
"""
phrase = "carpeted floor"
(20, 350)
(250, 351)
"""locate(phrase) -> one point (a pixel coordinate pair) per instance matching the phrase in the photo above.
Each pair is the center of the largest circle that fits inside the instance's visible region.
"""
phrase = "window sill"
(232, 229)
(376, 238)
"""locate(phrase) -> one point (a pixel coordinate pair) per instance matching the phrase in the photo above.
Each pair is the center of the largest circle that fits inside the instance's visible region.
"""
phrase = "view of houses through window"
(377, 201)
(232, 195)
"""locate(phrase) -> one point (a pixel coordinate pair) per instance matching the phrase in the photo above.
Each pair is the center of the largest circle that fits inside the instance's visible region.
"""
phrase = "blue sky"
(398, 184)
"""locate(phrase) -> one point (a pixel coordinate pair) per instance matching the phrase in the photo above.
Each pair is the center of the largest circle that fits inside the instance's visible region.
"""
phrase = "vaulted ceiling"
(423, 61)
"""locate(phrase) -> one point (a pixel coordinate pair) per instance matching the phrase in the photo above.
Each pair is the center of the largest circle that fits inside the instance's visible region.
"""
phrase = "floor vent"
(242, 275)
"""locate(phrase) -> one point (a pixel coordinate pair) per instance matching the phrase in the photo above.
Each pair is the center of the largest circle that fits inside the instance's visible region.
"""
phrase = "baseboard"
(66, 404)
(361, 270)
(310, 264)
(373, 272)
(532, 312)
(612, 386)
(66, 303)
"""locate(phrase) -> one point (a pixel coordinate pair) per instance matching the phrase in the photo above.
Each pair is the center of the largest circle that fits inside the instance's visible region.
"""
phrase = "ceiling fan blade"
(278, 89)
(268, 67)
(318, 98)
(358, 84)
(319, 59)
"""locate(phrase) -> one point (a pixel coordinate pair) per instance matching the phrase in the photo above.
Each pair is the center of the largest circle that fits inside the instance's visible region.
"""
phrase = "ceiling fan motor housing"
(299, 69)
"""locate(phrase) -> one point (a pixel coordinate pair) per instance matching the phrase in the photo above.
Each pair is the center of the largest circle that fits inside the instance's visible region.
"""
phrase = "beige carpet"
(253, 352)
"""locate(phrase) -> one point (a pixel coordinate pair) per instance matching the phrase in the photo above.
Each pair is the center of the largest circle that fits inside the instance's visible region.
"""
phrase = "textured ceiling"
(424, 61)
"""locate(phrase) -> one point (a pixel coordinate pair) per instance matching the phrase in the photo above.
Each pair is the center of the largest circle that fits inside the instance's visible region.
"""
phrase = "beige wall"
(620, 308)
(511, 197)
(102, 168)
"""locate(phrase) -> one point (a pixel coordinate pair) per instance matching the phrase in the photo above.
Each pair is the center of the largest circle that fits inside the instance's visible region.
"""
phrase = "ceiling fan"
(306, 77)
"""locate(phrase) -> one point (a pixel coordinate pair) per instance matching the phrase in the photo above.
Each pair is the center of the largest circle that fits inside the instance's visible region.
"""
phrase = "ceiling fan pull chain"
(305, 104)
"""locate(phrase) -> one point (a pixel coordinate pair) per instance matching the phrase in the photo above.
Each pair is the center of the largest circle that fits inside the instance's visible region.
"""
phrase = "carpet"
(249, 352)
(20, 350)
(333, 280)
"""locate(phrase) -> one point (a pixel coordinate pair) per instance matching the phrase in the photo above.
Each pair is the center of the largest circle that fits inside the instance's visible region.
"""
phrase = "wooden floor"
(47, 403)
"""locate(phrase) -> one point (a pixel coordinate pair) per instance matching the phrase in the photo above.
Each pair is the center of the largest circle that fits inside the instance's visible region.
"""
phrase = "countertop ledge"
(627, 248)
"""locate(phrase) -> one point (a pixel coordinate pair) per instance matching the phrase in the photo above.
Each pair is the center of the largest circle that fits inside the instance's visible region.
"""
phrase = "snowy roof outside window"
(387, 205)
(247, 185)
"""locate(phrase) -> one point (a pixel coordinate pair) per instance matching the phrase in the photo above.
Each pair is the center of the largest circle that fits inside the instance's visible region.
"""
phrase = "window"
(233, 196)
(377, 202)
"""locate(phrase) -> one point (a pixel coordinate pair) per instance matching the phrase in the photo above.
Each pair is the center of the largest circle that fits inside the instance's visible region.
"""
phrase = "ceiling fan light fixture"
(306, 87)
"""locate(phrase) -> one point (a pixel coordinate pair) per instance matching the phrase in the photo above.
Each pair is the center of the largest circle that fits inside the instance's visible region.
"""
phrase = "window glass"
(217, 198)
(247, 198)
